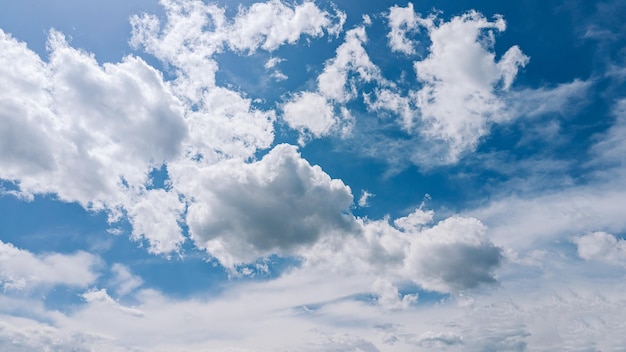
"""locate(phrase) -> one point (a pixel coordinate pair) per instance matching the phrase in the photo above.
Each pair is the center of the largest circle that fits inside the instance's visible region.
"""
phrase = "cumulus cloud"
(388, 296)
(85, 119)
(601, 246)
(452, 255)
(156, 215)
(402, 21)
(313, 113)
(100, 129)
(310, 113)
(271, 24)
(23, 270)
(88, 133)
(241, 211)
(350, 57)
(458, 101)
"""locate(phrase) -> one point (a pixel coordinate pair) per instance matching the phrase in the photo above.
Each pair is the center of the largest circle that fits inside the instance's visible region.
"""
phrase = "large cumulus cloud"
(241, 211)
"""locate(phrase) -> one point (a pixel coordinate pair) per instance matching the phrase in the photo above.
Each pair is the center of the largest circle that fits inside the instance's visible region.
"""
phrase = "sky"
(185, 175)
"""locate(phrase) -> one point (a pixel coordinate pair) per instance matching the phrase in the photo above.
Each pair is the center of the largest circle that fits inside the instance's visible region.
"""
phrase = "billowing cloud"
(460, 76)
(271, 24)
(351, 57)
(241, 211)
(601, 246)
(452, 255)
(313, 114)
(85, 119)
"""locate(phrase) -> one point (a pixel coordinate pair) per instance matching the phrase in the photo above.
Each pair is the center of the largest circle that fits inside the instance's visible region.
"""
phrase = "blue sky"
(266, 176)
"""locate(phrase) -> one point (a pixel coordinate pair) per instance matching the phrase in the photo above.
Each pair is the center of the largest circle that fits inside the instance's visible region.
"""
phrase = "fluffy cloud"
(90, 133)
(350, 57)
(452, 255)
(402, 21)
(313, 113)
(100, 129)
(310, 113)
(271, 24)
(460, 76)
(23, 270)
(601, 246)
(85, 119)
(388, 296)
(241, 211)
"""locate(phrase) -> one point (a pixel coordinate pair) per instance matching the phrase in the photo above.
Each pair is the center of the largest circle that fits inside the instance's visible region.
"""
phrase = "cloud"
(364, 200)
(603, 247)
(452, 255)
(23, 270)
(309, 113)
(524, 221)
(402, 21)
(314, 308)
(350, 57)
(242, 211)
(313, 113)
(610, 148)
(458, 100)
(101, 128)
(85, 119)
(562, 99)
(271, 24)
(124, 281)
(388, 296)
(156, 216)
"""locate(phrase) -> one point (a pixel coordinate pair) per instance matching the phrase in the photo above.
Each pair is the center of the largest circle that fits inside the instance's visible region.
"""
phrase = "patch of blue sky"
(99, 27)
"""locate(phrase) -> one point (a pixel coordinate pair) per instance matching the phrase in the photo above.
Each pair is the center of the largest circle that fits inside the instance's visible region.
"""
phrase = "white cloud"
(458, 101)
(243, 211)
(389, 298)
(155, 216)
(23, 270)
(315, 308)
(452, 255)
(309, 113)
(402, 21)
(276, 74)
(271, 24)
(272, 62)
(350, 57)
(364, 200)
(101, 302)
(601, 246)
(523, 222)
(85, 119)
